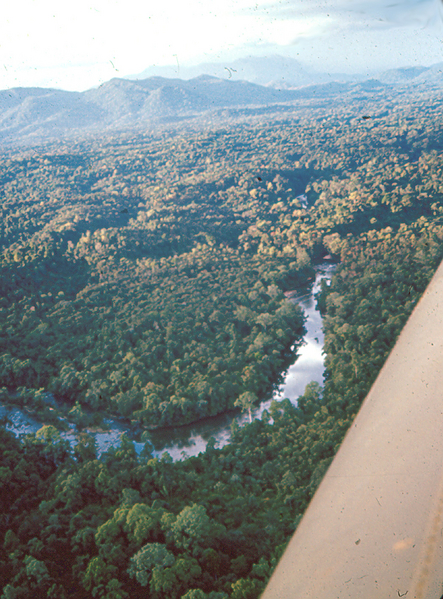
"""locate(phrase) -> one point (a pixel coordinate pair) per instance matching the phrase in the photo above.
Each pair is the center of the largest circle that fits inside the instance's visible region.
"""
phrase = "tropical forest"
(145, 275)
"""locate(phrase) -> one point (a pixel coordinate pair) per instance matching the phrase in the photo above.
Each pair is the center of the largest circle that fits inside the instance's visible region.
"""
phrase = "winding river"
(181, 442)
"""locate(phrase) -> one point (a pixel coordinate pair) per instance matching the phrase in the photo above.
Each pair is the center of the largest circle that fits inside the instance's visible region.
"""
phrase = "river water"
(181, 442)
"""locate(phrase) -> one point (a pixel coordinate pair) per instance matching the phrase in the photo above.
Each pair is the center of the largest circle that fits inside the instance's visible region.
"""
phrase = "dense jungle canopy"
(143, 276)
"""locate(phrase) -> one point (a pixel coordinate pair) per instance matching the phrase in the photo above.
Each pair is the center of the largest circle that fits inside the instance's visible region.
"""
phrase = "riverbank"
(191, 439)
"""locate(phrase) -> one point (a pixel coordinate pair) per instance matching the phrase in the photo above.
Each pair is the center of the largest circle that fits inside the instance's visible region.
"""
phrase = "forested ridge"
(143, 275)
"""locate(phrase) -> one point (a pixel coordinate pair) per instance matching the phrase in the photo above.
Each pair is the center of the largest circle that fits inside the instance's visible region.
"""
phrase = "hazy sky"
(78, 45)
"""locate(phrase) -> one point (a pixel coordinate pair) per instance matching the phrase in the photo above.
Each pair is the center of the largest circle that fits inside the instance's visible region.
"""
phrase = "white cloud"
(372, 50)
(359, 35)
(46, 37)
(377, 13)
(78, 45)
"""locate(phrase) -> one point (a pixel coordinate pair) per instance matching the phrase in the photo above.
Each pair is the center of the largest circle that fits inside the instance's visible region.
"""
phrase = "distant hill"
(282, 72)
(34, 114)
(31, 115)
(129, 101)
(432, 76)
(401, 76)
(274, 71)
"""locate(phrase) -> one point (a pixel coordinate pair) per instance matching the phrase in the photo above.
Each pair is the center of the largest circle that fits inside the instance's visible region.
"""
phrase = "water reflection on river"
(191, 439)
(309, 367)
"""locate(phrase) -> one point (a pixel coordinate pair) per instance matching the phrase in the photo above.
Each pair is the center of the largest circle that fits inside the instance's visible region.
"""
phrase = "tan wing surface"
(374, 529)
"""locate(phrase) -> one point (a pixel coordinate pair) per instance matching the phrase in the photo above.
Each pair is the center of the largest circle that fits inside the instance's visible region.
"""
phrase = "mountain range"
(282, 72)
(274, 71)
(30, 115)
(34, 114)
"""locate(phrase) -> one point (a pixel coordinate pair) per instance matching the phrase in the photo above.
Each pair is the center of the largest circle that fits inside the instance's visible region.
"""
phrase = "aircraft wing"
(374, 528)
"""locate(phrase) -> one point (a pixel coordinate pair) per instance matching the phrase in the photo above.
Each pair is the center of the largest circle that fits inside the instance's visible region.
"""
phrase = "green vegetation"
(141, 259)
(144, 276)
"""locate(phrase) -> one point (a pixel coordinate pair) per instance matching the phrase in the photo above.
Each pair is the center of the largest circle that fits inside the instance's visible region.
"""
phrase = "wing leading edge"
(374, 529)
